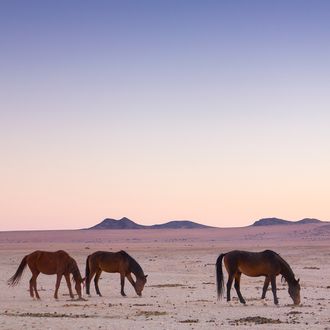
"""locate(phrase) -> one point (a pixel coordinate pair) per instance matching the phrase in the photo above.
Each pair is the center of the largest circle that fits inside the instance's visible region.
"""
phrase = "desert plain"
(181, 289)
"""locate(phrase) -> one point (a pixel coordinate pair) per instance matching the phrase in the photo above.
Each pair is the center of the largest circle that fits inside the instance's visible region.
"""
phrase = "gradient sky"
(212, 111)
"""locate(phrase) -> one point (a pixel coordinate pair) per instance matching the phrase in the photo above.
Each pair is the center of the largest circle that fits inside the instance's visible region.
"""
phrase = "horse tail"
(87, 273)
(220, 281)
(14, 280)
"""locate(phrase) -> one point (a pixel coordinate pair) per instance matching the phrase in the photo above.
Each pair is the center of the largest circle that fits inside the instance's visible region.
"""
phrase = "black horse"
(267, 263)
(114, 262)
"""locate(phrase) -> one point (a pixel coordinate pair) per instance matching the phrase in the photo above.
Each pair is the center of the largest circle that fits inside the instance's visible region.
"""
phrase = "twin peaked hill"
(125, 223)
(276, 221)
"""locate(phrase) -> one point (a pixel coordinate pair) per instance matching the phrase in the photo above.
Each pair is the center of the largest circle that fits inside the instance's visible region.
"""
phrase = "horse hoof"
(81, 299)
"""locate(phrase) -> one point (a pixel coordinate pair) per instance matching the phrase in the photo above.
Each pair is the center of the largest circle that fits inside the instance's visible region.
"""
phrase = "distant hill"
(276, 221)
(125, 223)
(179, 224)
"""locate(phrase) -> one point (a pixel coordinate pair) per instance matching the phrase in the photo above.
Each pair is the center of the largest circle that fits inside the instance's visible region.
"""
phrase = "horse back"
(48, 262)
(252, 263)
(110, 262)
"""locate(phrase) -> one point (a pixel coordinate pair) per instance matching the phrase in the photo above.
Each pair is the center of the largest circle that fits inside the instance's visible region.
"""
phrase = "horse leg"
(122, 283)
(273, 282)
(130, 278)
(265, 287)
(96, 282)
(67, 278)
(237, 287)
(229, 284)
(58, 282)
(33, 285)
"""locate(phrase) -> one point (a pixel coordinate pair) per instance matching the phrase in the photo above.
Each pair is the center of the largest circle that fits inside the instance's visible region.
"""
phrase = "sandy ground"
(180, 292)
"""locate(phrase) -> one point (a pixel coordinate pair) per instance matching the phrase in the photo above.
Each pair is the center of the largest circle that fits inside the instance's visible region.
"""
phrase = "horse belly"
(47, 265)
(109, 268)
(48, 270)
(254, 270)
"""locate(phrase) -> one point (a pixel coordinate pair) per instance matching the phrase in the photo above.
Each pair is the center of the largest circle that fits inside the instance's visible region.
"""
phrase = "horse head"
(76, 277)
(78, 287)
(294, 291)
(140, 283)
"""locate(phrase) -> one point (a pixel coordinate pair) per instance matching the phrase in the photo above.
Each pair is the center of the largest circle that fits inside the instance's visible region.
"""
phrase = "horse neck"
(75, 272)
(286, 271)
(135, 268)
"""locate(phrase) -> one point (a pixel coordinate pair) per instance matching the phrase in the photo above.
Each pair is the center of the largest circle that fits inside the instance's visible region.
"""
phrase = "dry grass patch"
(150, 313)
(312, 267)
(48, 315)
(255, 320)
(294, 313)
(169, 285)
(189, 321)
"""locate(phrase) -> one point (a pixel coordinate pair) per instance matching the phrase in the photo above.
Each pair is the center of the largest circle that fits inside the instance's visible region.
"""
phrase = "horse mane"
(135, 268)
(287, 273)
(74, 270)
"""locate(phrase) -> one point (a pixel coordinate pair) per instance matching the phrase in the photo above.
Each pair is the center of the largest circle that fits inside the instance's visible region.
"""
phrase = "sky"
(211, 111)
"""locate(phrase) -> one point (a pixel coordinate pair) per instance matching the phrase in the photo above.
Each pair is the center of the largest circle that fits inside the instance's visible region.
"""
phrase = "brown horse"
(114, 262)
(49, 263)
(267, 263)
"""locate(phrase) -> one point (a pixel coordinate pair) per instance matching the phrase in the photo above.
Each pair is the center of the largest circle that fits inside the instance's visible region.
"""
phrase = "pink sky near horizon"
(58, 182)
(216, 113)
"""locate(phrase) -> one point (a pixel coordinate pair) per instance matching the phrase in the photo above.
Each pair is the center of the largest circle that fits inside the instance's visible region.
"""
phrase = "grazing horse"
(267, 263)
(114, 262)
(49, 263)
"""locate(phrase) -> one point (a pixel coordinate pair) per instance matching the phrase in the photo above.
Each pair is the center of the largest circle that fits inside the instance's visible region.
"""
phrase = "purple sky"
(212, 111)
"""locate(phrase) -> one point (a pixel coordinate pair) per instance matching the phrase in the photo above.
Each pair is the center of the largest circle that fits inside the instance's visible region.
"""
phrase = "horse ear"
(145, 276)
(298, 280)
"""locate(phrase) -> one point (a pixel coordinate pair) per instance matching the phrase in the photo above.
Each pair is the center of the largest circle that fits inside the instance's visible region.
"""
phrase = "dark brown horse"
(114, 262)
(267, 263)
(49, 263)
